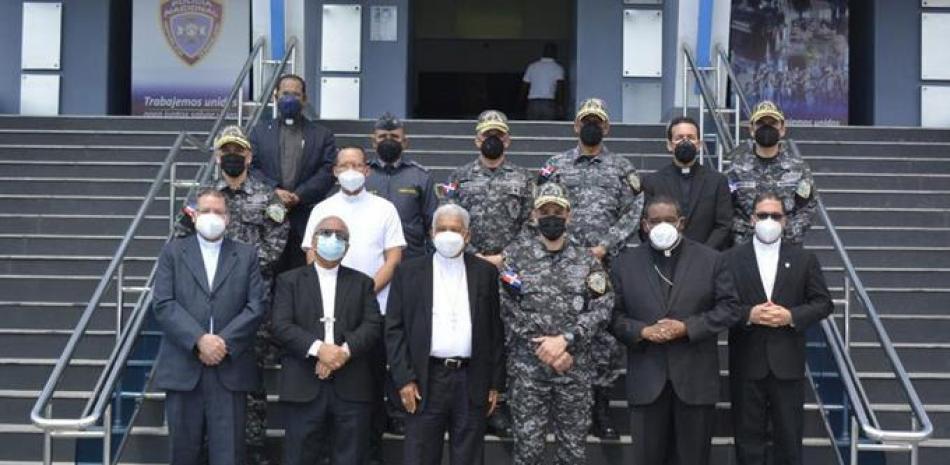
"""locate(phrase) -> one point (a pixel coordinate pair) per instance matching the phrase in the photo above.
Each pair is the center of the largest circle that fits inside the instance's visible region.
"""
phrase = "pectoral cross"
(328, 329)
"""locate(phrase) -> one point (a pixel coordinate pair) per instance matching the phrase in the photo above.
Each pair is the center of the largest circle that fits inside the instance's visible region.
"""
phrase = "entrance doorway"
(470, 55)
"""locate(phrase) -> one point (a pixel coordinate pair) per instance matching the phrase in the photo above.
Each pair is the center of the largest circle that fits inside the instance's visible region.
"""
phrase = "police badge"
(276, 213)
(191, 26)
(597, 282)
(804, 189)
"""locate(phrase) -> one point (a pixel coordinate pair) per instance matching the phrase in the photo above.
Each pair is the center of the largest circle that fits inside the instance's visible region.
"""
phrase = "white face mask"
(663, 236)
(351, 180)
(448, 244)
(768, 231)
(210, 226)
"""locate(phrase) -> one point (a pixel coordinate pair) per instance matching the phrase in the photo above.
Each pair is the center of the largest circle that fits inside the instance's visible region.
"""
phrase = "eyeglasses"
(766, 215)
(333, 232)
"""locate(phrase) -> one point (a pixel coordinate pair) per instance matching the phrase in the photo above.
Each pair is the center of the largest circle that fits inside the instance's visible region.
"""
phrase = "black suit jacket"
(184, 305)
(710, 204)
(703, 297)
(409, 326)
(755, 350)
(314, 172)
(297, 311)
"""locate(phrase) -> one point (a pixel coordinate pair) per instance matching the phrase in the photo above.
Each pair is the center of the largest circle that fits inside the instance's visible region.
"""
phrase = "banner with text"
(795, 53)
(186, 55)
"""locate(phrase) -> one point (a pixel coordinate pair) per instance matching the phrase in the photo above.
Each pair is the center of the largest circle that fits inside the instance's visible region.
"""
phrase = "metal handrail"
(740, 93)
(99, 401)
(707, 97)
(863, 410)
(865, 414)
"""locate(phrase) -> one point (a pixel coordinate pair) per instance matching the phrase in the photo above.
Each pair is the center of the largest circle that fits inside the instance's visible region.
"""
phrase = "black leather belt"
(450, 363)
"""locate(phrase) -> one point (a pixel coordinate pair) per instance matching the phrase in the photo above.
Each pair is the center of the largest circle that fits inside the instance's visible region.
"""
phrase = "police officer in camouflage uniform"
(257, 217)
(556, 299)
(496, 192)
(499, 196)
(767, 164)
(405, 183)
(604, 189)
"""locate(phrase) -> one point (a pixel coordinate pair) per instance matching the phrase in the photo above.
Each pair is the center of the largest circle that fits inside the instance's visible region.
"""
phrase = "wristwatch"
(569, 337)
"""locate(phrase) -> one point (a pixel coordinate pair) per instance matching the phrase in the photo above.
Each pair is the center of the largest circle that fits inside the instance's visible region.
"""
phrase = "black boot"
(602, 425)
(257, 455)
(499, 424)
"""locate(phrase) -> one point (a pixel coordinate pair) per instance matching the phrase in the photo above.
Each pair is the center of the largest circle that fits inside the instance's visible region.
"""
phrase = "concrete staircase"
(71, 185)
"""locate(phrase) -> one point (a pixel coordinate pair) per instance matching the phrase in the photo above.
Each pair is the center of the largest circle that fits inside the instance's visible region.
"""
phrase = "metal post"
(171, 200)
(686, 85)
(847, 314)
(107, 436)
(914, 445)
(48, 439)
(119, 299)
(240, 108)
(854, 442)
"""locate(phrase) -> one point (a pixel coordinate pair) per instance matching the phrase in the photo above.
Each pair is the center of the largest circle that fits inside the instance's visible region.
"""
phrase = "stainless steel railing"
(863, 420)
(98, 408)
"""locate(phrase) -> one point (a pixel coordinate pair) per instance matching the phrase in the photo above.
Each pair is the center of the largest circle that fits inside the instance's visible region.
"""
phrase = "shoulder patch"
(447, 190)
(276, 212)
(804, 189)
(597, 282)
(633, 180)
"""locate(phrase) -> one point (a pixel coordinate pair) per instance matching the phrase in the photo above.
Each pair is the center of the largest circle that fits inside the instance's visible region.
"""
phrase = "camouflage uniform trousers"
(267, 354)
(540, 396)
(609, 356)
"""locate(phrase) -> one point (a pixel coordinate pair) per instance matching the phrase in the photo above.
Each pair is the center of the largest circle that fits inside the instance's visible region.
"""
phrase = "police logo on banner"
(191, 26)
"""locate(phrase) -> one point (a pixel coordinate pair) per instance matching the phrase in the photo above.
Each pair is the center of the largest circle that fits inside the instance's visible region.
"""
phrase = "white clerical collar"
(208, 245)
(358, 197)
(453, 263)
(762, 246)
(326, 271)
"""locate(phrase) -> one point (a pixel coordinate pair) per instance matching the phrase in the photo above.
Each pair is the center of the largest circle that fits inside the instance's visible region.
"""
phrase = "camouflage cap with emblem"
(232, 135)
(766, 109)
(592, 107)
(551, 192)
(388, 122)
(491, 119)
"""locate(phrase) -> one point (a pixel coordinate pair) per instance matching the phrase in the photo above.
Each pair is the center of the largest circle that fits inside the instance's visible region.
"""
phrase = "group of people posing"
(398, 303)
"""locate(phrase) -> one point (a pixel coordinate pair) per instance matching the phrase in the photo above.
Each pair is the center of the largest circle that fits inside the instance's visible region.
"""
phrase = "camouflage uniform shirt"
(605, 196)
(787, 175)
(499, 201)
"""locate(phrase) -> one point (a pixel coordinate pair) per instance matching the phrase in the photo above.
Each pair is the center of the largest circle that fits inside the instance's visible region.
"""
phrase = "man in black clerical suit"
(327, 319)
(702, 192)
(445, 344)
(673, 296)
(782, 293)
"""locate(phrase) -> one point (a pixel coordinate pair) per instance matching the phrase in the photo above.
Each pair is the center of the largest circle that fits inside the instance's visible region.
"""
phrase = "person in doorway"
(543, 87)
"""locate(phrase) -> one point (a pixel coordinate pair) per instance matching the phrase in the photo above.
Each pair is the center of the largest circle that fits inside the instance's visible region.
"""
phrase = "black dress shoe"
(396, 426)
(499, 424)
(602, 425)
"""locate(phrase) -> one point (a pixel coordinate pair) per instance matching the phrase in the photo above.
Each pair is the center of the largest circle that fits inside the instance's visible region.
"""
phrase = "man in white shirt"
(377, 241)
(327, 319)
(445, 344)
(543, 86)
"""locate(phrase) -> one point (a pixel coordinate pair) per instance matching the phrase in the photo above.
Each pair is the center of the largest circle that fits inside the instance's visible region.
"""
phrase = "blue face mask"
(331, 248)
(289, 106)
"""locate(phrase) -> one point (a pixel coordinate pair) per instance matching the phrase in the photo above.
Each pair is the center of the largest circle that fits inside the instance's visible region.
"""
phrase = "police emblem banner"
(186, 54)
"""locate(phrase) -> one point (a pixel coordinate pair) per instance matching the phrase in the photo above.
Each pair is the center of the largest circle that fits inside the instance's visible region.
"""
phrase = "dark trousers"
(210, 410)
(758, 402)
(448, 407)
(541, 109)
(309, 426)
(671, 432)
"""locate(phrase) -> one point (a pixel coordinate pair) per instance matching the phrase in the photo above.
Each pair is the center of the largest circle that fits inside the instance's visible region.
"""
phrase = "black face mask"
(233, 164)
(552, 227)
(591, 134)
(389, 150)
(767, 136)
(685, 152)
(492, 147)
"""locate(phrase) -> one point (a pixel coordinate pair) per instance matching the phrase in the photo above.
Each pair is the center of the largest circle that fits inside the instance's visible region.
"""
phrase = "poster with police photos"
(186, 55)
(795, 53)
